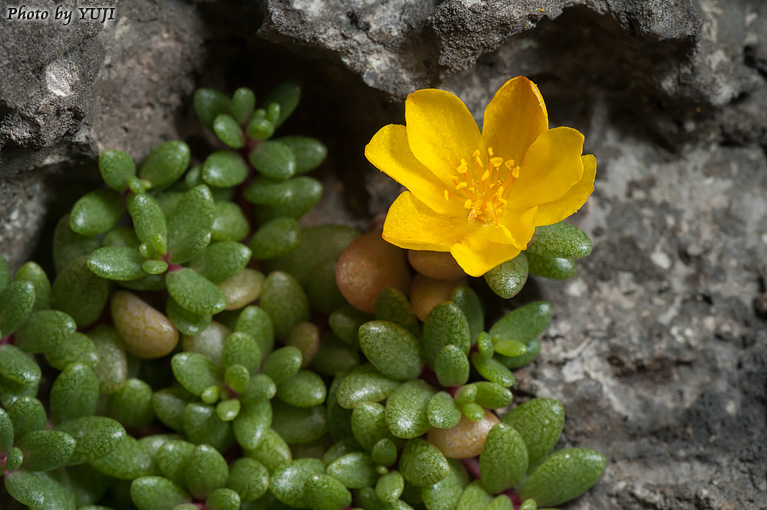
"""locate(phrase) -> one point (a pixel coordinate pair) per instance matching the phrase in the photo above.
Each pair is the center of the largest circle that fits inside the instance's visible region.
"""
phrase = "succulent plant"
(202, 355)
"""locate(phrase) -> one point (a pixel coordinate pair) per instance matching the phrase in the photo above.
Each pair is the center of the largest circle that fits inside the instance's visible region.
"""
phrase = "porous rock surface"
(658, 347)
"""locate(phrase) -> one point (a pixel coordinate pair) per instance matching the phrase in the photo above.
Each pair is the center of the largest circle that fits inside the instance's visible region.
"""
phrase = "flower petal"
(411, 224)
(477, 253)
(389, 151)
(520, 226)
(558, 210)
(550, 168)
(514, 119)
(441, 131)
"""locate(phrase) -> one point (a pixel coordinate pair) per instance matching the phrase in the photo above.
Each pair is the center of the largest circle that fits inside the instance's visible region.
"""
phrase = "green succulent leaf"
(551, 267)
(365, 384)
(228, 131)
(452, 366)
(194, 292)
(384, 452)
(77, 348)
(229, 222)
(74, 393)
(220, 261)
(286, 95)
(69, 245)
(195, 372)
(132, 404)
(154, 267)
(474, 497)
(323, 492)
(492, 370)
(273, 160)
(223, 499)
(33, 273)
(299, 425)
(492, 395)
(304, 389)
(209, 104)
(202, 425)
(368, 424)
(249, 478)
(165, 164)
(272, 451)
(393, 350)
(469, 303)
(393, 306)
(503, 461)
(274, 238)
(41, 490)
(189, 247)
(17, 301)
(120, 263)
(96, 212)
(27, 414)
(259, 127)
(251, 423)
(560, 240)
(80, 293)
(339, 419)
(442, 411)
(157, 493)
(225, 169)
(193, 213)
(406, 410)
(540, 422)
(562, 476)
(523, 324)
(44, 330)
(287, 482)
(422, 464)
(283, 299)
(445, 494)
(304, 193)
(507, 279)
(205, 471)
(149, 222)
(169, 404)
(354, 470)
(45, 450)
(334, 356)
(390, 486)
(243, 104)
(96, 437)
(116, 168)
(254, 321)
(445, 325)
(172, 458)
(19, 374)
(265, 191)
(309, 152)
(112, 366)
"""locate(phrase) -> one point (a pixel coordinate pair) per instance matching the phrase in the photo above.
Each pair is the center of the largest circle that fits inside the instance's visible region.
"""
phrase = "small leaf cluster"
(551, 254)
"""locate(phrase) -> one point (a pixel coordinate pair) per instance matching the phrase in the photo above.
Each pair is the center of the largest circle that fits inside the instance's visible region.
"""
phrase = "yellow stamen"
(447, 196)
(461, 185)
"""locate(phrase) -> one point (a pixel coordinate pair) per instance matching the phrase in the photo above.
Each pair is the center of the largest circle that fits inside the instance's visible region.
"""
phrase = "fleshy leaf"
(41, 490)
(157, 493)
(305, 192)
(452, 366)
(393, 306)
(165, 164)
(229, 222)
(503, 461)
(117, 263)
(6, 432)
(273, 160)
(365, 384)
(69, 245)
(507, 279)
(193, 213)
(562, 476)
(203, 426)
(27, 415)
(19, 374)
(445, 325)
(298, 425)
(149, 222)
(285, 301)
(422, 464)
(523, 324)
(390, 486)
(540, 422)
(406, 409)
(220, 261)
(309, 152)
(116, 168)
(251, 423)
(44, 330)
(551, 267)
(76, 348)
(282, 364)
(224, 169)
(205, 471)
(132, 404)
(243, 104)
(249, 478)
(492, 370)
(355, 470)
(287, 95)
(445, 494)
(96, 212)
(442, 411)
(80, 293)
(393, 350)
(189, 247)
(560, 240)
(195, 292)
(33, 273)
(228, 131)
(17, 301)
(188, 323)
(274, 238)
(45, 450)
(323, 492)
(96, 437)
(304, 389)
(74, 393)
(287, 482)
(195, 372)
(210, 103)
(492, 395)
(368, 423)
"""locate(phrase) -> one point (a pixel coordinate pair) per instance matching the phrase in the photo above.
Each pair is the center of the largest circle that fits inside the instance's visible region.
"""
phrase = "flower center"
(484, 189)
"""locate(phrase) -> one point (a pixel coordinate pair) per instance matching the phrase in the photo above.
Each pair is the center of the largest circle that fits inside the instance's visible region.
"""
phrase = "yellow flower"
(480, 195)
